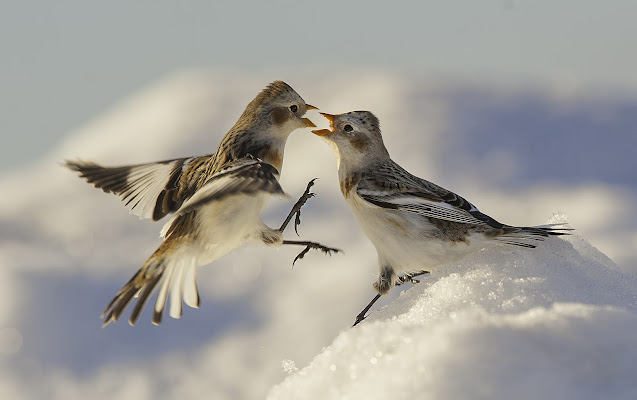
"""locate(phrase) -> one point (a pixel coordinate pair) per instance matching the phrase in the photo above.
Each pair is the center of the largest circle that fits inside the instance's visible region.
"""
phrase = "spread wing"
(244, 176)
(150, 190)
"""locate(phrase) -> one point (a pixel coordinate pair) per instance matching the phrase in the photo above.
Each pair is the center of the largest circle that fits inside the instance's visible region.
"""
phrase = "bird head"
(282, 108)
(355, 138)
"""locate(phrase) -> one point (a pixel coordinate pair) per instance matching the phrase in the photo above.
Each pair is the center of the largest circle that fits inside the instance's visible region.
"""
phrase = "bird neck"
(357, 163)
(262, 145)
(272, 155)
(269, 148)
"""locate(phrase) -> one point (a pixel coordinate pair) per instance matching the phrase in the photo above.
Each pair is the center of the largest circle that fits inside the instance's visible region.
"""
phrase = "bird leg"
(296, 212)
(297, 209)
(402, 279)
(361, 316)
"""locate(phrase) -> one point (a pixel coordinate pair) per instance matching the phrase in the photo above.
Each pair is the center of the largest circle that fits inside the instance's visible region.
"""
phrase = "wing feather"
(244, 176)
(148, 190)
(393, 187)
(415, 202)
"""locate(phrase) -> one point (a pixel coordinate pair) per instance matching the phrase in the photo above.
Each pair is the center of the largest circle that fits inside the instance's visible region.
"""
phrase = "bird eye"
(348, 128)
(294, 108)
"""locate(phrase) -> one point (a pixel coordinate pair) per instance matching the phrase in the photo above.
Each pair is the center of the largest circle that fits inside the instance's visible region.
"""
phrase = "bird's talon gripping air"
(413, 223)
(215, 201)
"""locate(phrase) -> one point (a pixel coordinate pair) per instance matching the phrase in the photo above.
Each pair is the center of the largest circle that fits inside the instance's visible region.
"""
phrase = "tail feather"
(176, 292)
(144, 296)
(521, 236)
(191, 294)
(160, 303)
(120, 301)
(165, 271)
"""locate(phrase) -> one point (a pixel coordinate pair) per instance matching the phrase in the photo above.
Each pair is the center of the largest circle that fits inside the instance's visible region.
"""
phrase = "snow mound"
(558, 321)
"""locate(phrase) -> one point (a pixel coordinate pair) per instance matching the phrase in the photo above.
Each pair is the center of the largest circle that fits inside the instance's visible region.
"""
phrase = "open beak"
(329, 117)
(308, 123)
(323, 132)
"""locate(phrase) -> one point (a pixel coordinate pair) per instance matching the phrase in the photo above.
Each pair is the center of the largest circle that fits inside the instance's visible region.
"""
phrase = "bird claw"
(359, 318)
(410, 278)
(301, 255)
(317, 246)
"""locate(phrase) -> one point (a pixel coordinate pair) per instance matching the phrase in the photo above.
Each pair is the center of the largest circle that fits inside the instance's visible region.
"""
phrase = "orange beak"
(329, 117)
(311, 107)
(323, 132)
(308, 123)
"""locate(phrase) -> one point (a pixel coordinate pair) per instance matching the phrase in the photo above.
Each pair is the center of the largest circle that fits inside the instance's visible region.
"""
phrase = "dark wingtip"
(72, 165)
(78, 165)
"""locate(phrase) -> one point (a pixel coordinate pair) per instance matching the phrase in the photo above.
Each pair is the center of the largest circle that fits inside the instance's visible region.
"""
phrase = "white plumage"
(414, 224)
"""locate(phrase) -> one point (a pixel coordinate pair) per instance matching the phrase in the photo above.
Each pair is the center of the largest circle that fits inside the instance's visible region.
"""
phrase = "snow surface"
(557, 318)
(558, 322)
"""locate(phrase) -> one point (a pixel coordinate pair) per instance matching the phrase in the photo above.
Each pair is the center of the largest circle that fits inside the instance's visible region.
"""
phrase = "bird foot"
(402, 279)
(410, 277)
(296, 209)
(309, 246)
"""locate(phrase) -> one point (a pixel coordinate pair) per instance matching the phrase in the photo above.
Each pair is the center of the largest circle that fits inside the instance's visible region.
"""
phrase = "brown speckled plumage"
(245, 165)
(348, 183)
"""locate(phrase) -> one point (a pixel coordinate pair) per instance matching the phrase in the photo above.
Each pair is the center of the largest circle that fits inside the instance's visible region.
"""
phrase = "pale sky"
(67, 61)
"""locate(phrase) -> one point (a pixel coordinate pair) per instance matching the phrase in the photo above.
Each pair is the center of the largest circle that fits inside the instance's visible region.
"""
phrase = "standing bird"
(413, 223)
(216, 201)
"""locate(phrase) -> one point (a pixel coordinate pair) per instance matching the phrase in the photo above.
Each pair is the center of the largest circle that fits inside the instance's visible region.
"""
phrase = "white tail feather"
(178, 282)
(160, 303)
(191, 297)
(176, 290)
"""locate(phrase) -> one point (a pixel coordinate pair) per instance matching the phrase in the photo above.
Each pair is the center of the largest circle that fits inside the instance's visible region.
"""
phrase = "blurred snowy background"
(528, 109)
